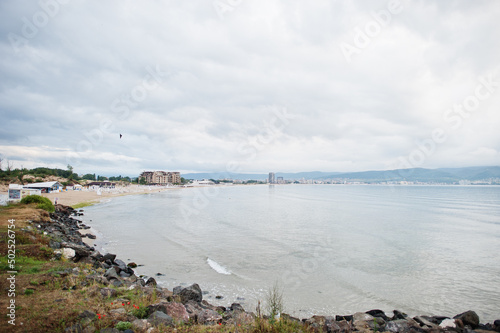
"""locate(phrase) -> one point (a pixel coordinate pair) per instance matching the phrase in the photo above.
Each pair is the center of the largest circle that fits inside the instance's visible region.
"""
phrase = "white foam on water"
(218, 267)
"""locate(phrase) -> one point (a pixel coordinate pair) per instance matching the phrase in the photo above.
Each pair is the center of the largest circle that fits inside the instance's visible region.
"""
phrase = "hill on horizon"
(442, 175)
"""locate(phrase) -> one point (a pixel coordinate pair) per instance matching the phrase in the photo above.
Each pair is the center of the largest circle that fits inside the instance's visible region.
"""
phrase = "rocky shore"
(106, 275)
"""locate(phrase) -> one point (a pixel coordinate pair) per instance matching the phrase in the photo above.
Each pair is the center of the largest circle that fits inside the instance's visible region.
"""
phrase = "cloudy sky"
(249, 86)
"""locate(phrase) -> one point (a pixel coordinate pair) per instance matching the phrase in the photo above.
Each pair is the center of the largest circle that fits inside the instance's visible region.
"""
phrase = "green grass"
(83, 204)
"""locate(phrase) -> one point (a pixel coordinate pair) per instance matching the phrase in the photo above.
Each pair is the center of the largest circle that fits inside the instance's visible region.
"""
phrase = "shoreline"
(187, 304)
(295, 312)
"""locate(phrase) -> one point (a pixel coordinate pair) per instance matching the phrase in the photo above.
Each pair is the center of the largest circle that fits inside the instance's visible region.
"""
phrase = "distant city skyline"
(119, 88)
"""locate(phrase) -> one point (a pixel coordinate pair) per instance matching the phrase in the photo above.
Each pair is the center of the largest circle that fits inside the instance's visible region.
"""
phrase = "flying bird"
(120, 136)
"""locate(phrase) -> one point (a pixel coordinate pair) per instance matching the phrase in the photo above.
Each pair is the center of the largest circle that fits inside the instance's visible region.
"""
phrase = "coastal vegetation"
(42, 202)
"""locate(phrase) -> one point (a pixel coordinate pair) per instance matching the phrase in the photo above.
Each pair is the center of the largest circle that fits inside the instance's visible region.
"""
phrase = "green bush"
(123, 325)
(43, 203)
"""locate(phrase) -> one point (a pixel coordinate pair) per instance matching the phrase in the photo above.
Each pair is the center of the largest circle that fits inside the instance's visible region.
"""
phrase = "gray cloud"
(69, 85)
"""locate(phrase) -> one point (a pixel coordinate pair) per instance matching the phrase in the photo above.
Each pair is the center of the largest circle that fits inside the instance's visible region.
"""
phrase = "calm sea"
(334, 249)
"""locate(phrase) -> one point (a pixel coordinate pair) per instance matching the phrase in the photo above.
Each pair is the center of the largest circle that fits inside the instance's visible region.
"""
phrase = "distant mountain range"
(441, 175)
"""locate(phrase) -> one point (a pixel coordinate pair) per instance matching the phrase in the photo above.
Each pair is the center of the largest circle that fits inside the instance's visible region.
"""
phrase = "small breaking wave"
(218, 267)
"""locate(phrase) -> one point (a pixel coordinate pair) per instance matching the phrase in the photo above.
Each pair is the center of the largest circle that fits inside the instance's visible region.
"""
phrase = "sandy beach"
(70, 197)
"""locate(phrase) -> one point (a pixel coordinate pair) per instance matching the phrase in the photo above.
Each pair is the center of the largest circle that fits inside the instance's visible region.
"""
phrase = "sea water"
(332, 249)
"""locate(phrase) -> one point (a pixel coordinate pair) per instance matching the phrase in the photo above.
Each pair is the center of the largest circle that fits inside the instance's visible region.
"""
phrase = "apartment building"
(161, 177)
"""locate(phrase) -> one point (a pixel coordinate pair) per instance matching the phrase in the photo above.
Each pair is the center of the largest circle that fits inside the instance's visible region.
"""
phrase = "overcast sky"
(249, 86)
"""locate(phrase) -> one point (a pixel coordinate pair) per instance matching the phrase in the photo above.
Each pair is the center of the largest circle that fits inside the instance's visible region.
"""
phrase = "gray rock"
(399, 315)
(378, 313)
(121, 264)
(158, 317)
(363, 321)
(111, 273)
(209, 317)
(87, 314)
(151, 282)
(177, 290)
(177, 311)
(77, 328)
(160, 306)
(344, 326)
(119, 311)
(397, 326)
(288, 318)
(496, 325)
(54, 245)
(469, 318)
(124, 274)
(108, 292)
(425, 322)
(448, 323)
(191, 293)
(117, 283)
(141, 324)
(236, 307)
(316, 322)
(108, 256)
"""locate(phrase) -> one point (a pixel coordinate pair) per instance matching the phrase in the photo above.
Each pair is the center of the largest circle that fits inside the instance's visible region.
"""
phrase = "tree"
(142, 181)
(70, 169)
(89, 176)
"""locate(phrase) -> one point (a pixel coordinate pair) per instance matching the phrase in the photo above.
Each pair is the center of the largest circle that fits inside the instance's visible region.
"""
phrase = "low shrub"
(43, 203)
(123, 325)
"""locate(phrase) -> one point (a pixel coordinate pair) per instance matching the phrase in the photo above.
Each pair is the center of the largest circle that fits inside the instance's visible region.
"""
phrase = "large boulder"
(469, 318)
(191, 293)
(209, 317)
(448, 323)
(398, 326)
(378, 313)
(177, 311)
(159, 318)
(317, 323)
(399, 315)
(141, 325)
(426, 322)
(151, 282)
(112, 273)
(121, 264)
(496, 325)
(108, 292)
(108, 256)
(193, 309)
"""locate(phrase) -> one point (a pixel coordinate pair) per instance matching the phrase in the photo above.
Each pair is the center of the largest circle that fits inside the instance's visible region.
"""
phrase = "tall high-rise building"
(272, 178)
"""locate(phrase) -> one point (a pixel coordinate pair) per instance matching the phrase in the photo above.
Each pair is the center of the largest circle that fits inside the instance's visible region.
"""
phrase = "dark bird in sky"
(120, 136)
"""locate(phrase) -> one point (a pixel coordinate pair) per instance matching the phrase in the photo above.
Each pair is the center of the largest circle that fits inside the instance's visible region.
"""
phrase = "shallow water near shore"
(334, 249)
